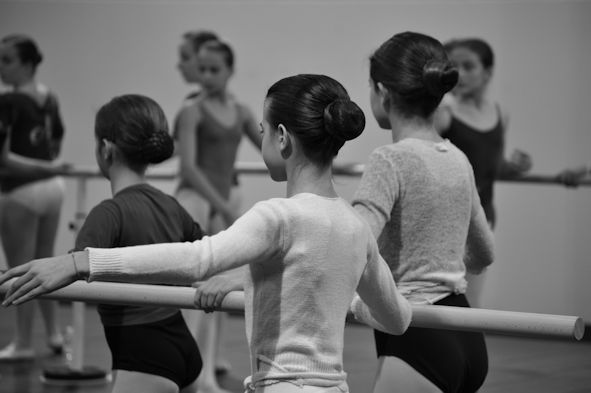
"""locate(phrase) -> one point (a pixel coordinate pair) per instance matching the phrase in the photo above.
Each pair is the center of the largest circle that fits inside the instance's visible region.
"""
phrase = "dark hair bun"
(343, 119)
(158, 147)
(439, 77)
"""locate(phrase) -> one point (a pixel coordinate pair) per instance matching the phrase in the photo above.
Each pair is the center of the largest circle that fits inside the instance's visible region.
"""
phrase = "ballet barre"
(424, 316)
(259, 168)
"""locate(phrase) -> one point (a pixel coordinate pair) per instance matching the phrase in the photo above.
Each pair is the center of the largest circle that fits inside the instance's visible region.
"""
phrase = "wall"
(97, 49)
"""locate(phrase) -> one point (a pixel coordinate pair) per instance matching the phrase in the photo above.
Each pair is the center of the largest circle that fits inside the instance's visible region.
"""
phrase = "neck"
(122, 177)
(28, 86)
(413, 128)
(306, 177)
(476, 99)
(219, 95)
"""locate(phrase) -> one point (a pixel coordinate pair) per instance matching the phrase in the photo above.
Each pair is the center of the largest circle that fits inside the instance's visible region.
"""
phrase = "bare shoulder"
(443, 113)
(502, 112)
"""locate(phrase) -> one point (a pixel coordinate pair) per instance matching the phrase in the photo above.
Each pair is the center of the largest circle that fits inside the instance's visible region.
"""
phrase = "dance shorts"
(454, 361)
(165, 348)
(41, 196)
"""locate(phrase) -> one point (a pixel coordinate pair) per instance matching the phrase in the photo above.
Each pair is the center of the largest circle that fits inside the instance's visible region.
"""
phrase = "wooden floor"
(516, 364)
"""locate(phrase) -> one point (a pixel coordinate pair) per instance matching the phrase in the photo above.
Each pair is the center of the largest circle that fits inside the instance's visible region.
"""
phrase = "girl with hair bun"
(31, 133)
(477, 126)
(307, 254)
(419, 197)
(151, 348)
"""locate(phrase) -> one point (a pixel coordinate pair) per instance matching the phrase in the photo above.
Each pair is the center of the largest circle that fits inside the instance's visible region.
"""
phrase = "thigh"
(394, 375)
(289, 387)
(133, 381)
(454, 361)
(198, 207)
(46, 233)
(18, 228)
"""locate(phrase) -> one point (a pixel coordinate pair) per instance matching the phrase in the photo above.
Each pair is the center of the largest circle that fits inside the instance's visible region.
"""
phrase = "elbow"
(404, 319)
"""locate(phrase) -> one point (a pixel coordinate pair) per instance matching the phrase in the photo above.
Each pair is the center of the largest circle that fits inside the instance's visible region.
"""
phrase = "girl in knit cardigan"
(307, 254)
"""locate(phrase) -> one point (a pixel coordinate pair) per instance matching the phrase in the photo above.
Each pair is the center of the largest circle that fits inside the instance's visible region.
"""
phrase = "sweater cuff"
(104, 262)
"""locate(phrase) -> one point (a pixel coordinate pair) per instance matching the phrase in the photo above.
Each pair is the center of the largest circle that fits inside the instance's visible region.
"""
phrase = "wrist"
(81, 264)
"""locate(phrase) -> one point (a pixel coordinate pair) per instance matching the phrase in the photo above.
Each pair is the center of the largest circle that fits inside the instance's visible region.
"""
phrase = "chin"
(278, 175)
(384, 124)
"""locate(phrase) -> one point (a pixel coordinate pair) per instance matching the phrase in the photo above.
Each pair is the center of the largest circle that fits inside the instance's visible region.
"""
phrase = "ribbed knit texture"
(307, 256)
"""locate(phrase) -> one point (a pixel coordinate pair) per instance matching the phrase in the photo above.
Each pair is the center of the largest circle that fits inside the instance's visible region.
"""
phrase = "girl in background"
(209, 129)
(419, 197)
(477, 126)
(31, 133)
(306, 254)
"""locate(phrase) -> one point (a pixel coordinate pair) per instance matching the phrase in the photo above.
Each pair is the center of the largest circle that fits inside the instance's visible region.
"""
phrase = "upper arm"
(191, 230)
(187, 122)
(58, 124)
(251, 127)
(101, 227)
(377, 192)
(377, 289)
(479, 241)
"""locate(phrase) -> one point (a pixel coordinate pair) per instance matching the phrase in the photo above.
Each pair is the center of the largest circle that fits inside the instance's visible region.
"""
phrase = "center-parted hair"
(137, 125)
(318, 111)
(416, 71)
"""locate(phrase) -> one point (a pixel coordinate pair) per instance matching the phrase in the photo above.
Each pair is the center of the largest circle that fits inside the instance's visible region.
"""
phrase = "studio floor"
(521, 365)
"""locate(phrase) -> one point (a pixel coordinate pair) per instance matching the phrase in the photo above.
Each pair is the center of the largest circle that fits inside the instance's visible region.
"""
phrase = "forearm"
(394, 319)
(479, 251)
(249, 240)
(380, 304)
(23, 166)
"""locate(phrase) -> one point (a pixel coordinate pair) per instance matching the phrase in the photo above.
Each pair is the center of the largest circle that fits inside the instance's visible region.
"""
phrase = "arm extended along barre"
(426, 316)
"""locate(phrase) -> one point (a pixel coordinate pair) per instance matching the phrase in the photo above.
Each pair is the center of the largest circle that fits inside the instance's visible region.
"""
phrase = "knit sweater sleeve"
(479, 242)
(379, 304)
(377, 192)
(253, 238)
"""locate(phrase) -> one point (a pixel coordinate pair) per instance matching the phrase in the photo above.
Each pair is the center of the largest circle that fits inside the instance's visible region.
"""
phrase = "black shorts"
(165, 348)
(454, 361)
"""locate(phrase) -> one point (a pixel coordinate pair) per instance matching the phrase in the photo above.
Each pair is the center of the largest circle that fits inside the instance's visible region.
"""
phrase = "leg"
(19, 246)
(132, 382)
(395, 375)
(204, 327)
(47, 230)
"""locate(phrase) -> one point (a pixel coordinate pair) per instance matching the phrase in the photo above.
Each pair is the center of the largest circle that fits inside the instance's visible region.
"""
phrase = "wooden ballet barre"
(259, 168)
(426, 316)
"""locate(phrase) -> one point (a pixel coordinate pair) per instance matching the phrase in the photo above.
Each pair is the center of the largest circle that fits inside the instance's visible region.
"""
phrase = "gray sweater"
(421, 203)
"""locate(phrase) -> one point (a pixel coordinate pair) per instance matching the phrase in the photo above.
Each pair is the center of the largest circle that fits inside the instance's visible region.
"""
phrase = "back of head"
(137, 125)
(476, 45)
(416, 71)
(26, 48)
(318, 111)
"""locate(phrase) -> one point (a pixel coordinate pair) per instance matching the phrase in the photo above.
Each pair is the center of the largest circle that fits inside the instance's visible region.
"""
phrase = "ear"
(384, 95)
(488, 72)
(284, 140)
(107, 150)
